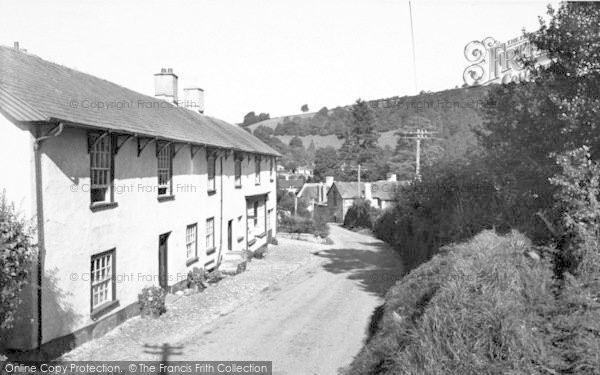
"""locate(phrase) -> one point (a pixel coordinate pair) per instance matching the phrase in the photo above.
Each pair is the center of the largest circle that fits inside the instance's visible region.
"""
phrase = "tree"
(304, 108)
(296, 142)
(263, 133)
(326, 163)
(251, 118)
(360, 143)
(527, 124)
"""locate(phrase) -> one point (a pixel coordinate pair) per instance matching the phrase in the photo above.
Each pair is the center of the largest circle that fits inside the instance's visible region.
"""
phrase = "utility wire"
(412, 37)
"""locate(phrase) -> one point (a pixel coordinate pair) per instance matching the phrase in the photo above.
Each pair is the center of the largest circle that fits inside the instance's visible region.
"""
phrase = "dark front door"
(163, 276)
(230, 235)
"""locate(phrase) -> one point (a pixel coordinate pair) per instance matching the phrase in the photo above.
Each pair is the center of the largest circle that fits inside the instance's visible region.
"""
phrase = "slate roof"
(35, 90)
(310, 191)
(296, 183)
(349, 190)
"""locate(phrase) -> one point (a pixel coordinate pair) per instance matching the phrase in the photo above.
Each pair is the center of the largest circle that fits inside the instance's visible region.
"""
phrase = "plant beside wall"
(196, 279)
(152, 301)
(17, 256)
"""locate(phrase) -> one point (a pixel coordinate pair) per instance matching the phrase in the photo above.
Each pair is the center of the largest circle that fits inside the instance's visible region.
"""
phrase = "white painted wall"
(74, 233)
(16, 166)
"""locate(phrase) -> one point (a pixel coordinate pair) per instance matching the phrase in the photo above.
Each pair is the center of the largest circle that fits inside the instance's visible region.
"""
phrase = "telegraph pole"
(358, 185)
(419, 135)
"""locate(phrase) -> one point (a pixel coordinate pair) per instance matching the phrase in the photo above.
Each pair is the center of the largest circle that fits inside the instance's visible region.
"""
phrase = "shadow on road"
(165, 351)
(372, 265)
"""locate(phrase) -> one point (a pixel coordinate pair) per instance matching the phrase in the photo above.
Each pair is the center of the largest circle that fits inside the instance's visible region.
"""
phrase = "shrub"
(298, 224)
(152, 301)
(476, 308)
(451, 203)
(17, 255)
(359, 215)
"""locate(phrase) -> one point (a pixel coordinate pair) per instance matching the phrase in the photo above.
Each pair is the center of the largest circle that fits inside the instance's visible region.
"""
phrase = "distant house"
(315, 193)
(381, 194)
(292, 185)
(341, 196)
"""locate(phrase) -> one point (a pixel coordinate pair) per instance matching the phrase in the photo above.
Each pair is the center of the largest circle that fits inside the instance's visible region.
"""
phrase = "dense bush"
(360, 215)
(17, 255)
(450, 203)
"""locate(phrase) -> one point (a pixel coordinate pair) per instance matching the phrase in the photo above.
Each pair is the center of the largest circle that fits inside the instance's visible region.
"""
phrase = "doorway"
(163, 275)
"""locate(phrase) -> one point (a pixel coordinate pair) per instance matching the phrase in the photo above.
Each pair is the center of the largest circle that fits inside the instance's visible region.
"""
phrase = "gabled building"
(126, 191)
(341, 196)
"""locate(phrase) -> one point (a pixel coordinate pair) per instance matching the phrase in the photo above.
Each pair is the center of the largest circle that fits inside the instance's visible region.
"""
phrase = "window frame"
(98, 308)
(106, 154)
(237, 172)
(257, 170)
(191, 241)
(210, 246)
(211, 181)
(160, 156)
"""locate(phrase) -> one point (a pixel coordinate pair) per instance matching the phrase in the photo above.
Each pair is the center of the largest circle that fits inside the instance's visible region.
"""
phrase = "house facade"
(125, 191)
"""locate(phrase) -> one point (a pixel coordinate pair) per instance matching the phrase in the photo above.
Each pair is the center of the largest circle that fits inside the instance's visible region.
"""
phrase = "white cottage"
(120, 184)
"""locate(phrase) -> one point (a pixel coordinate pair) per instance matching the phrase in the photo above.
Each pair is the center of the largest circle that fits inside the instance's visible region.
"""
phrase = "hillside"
(449, 112)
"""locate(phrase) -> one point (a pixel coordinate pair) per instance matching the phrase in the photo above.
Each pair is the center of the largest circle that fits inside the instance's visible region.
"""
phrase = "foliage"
(286, 202)
(360, 215)
(300, 224)
(326, 163)
(304, 108)
(251, 118)
(478, 308)
(526, 124)
(579, 207)
(152, 300)
(451, 203)
(17, 255)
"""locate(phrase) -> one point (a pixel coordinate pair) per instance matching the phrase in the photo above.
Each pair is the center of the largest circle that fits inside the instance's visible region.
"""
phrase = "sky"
(263, 55)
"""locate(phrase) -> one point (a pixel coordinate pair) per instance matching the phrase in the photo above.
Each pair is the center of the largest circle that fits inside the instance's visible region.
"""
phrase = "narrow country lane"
(312, 322)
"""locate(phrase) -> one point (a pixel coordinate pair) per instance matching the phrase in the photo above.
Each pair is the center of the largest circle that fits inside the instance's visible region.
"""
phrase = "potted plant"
(152, 301)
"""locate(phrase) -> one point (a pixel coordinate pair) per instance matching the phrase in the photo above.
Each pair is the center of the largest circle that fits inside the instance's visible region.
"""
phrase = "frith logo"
(495, 62)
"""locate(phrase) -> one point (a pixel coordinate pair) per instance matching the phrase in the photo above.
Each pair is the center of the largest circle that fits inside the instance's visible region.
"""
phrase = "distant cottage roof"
(349, 190)
(386, 190)
(296, 183)
(35, 90)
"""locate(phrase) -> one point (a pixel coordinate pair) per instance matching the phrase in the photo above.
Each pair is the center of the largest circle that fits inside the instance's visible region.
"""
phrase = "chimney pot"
(16, 45)
(170, 70)
(163, 70)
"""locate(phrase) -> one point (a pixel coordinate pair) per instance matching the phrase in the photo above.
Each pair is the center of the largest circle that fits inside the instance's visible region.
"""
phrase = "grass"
(483, 307)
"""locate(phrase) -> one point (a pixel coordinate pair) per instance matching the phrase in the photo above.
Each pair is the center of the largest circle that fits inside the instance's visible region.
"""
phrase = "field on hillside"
(385, 139)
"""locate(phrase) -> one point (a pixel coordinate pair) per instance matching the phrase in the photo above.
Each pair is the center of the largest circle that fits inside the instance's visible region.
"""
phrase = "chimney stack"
(193, 99)
(328, 181)
(165, 85)
(16, 45)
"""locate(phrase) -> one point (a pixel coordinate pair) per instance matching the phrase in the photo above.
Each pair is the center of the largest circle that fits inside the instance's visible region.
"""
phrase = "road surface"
(312, 322)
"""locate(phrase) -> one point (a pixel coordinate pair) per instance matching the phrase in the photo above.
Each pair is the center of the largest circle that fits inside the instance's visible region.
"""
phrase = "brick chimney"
(165, 85)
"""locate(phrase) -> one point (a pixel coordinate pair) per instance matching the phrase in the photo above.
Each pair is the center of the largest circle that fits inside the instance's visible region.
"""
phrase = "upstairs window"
(165, 169)
(238, 172)
(101, 168)
(257, 171)
(211, 173)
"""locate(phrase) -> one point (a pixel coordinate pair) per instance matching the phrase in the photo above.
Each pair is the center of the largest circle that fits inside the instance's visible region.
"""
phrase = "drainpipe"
(221, 224)
(39, 201)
